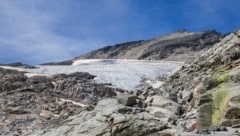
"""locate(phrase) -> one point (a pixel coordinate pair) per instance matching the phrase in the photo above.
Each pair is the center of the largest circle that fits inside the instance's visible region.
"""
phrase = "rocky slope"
(178, 46)
(208, 89)
(27, 104)
(201, 98)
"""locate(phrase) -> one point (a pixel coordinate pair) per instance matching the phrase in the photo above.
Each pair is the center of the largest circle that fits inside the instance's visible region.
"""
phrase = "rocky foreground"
(201, 98)
(27, 104)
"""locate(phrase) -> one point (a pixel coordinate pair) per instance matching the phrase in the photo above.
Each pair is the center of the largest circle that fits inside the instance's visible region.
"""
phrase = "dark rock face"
(182, 46)
(196, 42)
(27, 104)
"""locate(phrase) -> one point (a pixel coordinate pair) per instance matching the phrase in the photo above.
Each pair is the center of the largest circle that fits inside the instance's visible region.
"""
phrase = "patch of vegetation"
(220, 98)
(221, 75)
(217, 86)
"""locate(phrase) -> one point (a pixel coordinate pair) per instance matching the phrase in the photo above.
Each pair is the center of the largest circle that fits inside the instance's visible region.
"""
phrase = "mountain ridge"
(178, 46)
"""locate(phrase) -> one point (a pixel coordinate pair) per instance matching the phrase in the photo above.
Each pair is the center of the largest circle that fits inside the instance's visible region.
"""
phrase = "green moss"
(220, 94)
(218, 86)
(221, 75)
(219, 102)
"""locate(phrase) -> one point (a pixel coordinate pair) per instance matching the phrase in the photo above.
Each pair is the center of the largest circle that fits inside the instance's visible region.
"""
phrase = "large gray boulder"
(105, 120)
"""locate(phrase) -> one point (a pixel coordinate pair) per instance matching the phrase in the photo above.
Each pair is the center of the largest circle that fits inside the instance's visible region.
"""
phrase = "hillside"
(201, 98)
(179, 46)
(209, 87)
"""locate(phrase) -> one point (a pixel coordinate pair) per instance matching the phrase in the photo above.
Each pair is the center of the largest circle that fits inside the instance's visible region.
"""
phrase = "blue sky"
(36, 31)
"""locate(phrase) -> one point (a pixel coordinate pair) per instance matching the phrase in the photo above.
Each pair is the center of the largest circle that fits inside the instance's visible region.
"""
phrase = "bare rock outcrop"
(208, 87)
(110, 118)
(27, 104)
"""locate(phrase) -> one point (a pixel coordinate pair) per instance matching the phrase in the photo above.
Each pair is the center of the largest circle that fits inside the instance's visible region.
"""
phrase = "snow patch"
(125, 74)
(154, 84)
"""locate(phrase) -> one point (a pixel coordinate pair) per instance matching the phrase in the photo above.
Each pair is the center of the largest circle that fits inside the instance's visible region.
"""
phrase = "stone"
(206, 98)
(159, 101)
(236, 126)
(162, 113)
(204, 115)
(46, 114)
(232, 113)
(127, 100)
(230, 122)
(168, 132)
(107, 106)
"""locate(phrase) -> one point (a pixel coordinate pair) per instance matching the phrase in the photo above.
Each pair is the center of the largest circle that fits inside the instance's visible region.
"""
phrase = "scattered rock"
(195, 98)
(28, 104)
(127, 100)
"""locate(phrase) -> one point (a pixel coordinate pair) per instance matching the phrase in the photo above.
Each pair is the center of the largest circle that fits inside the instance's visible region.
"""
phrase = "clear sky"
(36, 31)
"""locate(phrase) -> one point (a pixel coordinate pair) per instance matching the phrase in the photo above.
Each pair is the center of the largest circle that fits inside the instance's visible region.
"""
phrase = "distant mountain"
(178, 46)
(18, 64)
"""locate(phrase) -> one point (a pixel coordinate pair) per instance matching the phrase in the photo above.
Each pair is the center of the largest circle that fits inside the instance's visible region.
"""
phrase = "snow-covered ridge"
(125, 74)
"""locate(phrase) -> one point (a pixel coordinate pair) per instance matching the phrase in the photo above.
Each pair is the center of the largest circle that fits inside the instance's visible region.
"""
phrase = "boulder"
(105, 120)
(233, 113)
(126, 99)
(163, 114)
(159, 101)
(168, 132)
